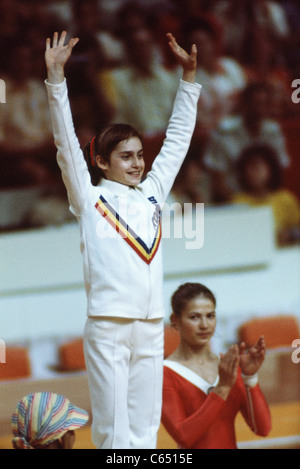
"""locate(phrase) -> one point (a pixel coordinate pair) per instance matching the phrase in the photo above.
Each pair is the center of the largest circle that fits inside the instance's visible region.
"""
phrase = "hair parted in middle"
(187, 292)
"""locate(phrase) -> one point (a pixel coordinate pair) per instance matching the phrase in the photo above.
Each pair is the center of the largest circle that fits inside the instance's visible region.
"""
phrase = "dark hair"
(186, 293)
(78, 5)
(124, 13)
(204, 23)
(269, 155)
(104, 144)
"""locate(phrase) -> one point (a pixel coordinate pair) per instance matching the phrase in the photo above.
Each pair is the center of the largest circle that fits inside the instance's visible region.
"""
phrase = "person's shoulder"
(171, 362)
(230, 64)
(241, 198)
(169, 373)
(120, 73)
(286, 195)
(161, 71)
(229, 124)
(271, 125)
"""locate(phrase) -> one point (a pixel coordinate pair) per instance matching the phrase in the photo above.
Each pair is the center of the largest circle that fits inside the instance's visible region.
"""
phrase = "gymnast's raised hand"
(187, 61)
(57, 55)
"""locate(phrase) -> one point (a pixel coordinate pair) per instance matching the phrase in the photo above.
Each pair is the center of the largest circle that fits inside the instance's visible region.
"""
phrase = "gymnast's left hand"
(187, 61)
(252, 359)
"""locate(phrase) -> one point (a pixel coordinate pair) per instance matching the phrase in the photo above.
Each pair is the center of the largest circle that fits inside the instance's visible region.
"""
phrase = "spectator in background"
(263, 62)
(26, 143)
(194, 8)
(142, 92)
(135, 16)
(124, 17)
(291, 9)
(34, 19)
(171, 18)
(51, 208)
(91, 110)
(222, 77)
(46, 420)
(274, 16)
(192, 184)
(8, 30)
(242, 19)
(292, 54)
(260, 178)
(250, 126)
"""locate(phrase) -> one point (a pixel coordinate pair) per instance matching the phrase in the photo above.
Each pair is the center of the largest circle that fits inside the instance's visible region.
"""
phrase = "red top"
(197, 420)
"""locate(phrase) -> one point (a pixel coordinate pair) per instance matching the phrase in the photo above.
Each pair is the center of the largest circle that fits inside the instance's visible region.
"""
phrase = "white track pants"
(124, 359)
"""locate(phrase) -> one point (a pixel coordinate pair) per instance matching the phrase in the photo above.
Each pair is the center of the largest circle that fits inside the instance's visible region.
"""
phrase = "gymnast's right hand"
(57, 55)
(228, 370)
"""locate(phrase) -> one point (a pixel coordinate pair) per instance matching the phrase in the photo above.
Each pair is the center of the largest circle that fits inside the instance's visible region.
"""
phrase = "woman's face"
(126, 164)
(140, 49)
(197, 322)
(257, 173)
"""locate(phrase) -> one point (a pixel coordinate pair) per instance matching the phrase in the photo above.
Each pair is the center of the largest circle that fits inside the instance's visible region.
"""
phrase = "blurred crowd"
(123, 71)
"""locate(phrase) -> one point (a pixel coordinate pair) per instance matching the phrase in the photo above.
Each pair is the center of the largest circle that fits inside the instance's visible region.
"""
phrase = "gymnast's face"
(126, 164)
(197, 322)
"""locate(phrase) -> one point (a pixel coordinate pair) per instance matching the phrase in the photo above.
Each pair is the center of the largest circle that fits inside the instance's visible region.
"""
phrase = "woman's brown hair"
(103, 144)
(186, 293)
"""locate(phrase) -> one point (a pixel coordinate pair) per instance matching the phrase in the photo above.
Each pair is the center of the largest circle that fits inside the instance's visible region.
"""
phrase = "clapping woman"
(202, 392)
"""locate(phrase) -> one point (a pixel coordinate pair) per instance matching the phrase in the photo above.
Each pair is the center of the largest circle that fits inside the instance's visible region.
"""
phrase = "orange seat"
(172, 340)
(17, 364)
(71, 356)
(279, 331)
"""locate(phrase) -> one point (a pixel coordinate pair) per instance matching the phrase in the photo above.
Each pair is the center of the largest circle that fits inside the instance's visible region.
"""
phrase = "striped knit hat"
(43, 417)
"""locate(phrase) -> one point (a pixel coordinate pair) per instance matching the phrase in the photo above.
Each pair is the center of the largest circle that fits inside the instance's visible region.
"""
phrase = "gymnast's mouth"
(135, 174)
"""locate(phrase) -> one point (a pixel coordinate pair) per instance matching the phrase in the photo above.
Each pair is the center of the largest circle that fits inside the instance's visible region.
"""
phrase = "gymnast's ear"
(174, 321)
(101, 163)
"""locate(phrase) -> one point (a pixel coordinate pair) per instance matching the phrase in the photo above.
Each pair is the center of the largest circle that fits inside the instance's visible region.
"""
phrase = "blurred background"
(243, 164)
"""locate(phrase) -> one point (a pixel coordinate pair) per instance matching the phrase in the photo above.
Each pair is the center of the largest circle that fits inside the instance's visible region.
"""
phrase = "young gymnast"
(203, 393)
(119, 219)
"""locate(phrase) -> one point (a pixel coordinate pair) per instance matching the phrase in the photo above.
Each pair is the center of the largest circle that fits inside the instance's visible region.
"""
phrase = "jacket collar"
(115, 187)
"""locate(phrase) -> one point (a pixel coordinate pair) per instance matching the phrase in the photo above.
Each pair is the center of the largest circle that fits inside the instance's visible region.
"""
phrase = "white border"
(190, 375)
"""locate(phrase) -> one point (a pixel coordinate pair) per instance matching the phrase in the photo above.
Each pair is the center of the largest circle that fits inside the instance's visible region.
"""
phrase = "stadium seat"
(279, 331)
(17, 364)
(71, 357)
(172, 340)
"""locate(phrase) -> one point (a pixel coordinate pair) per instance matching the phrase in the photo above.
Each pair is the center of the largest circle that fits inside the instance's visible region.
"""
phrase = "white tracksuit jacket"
(119, 225)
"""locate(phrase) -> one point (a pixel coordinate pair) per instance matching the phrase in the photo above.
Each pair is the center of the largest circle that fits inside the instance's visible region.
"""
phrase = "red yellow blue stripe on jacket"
(136, 243)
